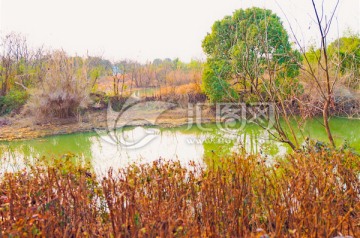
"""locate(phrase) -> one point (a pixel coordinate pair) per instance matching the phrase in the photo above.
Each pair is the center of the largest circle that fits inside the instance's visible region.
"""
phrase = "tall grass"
(304, 195)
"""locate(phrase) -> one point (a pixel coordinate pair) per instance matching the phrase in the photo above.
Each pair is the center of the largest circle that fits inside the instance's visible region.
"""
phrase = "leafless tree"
(63, 91)
(14, 50)
(323, 74)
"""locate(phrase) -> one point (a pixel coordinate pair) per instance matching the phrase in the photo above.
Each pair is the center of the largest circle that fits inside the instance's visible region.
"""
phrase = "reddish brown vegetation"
(308, 195)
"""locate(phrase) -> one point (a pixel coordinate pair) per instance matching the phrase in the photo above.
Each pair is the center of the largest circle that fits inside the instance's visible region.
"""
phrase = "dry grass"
(304, 195)
(180, 90)
(182, 95)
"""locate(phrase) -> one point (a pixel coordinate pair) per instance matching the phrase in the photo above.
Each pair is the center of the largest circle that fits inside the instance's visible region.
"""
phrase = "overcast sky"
(148, 29)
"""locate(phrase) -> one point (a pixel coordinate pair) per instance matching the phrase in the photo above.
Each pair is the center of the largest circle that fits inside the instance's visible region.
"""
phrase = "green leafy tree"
(252, 46)
(214, 85)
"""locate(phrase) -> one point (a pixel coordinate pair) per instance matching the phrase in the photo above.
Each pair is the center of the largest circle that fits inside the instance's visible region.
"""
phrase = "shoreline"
(24, 128)
(27, 128)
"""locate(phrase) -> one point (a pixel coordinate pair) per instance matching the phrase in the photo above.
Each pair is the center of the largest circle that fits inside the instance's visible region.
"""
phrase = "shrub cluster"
(15, 99)
(304, 195)
(64, 89)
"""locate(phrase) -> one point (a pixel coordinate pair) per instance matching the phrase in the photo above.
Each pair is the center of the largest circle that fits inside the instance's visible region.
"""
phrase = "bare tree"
(64, 89)
(323, 74)
(14, 51)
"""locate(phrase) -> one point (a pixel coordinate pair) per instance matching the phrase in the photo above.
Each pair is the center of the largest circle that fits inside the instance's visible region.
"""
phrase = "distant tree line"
(56, 83)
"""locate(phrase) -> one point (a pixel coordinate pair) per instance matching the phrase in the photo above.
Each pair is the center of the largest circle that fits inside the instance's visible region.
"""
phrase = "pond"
(201, 144)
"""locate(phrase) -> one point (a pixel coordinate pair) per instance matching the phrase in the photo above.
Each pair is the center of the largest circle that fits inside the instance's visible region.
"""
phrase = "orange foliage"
(190, 88)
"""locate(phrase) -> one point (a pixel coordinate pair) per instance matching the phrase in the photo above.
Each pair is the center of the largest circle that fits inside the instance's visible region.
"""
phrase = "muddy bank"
(24, 128)
(19, 127)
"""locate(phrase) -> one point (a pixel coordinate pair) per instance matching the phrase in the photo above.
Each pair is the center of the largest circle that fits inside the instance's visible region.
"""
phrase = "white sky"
(148, 29)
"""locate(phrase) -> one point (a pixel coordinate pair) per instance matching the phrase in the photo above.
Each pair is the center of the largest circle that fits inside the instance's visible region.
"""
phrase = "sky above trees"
(148, 29)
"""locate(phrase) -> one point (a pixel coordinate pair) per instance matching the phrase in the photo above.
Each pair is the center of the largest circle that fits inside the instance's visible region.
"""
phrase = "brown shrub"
(64, 89)
(304, 195)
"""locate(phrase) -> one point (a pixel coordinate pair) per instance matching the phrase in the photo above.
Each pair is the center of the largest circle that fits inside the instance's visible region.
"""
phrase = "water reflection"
(182, 143)
(16, 154)
(168, 145)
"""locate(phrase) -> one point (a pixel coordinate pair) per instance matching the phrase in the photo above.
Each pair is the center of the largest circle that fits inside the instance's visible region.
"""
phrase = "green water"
(196, 143)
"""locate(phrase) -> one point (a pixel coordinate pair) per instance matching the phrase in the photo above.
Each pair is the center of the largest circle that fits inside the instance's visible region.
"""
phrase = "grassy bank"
(303, 195)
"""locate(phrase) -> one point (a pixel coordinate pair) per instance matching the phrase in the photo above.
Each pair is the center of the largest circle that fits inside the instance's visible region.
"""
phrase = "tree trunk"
(326, 122)
(114, 85)
(123, 85)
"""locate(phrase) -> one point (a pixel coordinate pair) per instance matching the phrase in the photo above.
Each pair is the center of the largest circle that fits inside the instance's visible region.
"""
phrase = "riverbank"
(20, 127)
(24, 128)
